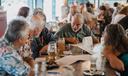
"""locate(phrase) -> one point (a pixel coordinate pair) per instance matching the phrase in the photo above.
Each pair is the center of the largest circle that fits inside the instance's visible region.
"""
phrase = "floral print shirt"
(11, 63)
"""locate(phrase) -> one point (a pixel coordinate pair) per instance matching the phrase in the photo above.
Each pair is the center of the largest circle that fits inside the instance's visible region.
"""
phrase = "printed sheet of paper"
(67, 60)
(87, 44)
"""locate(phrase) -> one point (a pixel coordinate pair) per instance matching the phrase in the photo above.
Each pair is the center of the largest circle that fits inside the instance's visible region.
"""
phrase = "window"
(12, 7)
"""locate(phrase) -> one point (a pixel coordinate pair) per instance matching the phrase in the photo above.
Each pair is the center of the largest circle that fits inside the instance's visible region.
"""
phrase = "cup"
(60, 46)
(52, 50)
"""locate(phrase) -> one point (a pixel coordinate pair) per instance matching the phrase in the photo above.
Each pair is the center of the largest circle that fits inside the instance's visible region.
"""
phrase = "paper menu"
(86, 45)
(67, 60)
(83, 47)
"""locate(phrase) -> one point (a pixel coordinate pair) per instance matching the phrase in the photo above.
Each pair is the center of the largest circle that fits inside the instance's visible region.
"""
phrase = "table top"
(78, 68)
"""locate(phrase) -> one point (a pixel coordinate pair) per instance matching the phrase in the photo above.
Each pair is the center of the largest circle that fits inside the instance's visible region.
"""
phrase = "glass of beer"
(52, 50)
(60, 46)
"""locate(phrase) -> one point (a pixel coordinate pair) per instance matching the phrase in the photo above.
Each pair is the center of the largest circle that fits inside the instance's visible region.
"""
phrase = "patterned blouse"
(11, 63)
(25, 51)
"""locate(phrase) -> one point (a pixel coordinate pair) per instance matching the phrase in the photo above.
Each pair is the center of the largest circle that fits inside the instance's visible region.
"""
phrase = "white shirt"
(117, 18)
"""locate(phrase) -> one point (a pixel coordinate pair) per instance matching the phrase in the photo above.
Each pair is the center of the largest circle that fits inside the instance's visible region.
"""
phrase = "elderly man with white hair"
(75, 31)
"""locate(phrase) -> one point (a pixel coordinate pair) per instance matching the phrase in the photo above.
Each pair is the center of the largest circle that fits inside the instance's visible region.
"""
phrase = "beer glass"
(60, 46)
(52, 50)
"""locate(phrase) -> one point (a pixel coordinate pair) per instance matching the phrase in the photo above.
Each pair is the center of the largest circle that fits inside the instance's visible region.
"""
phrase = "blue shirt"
(11, 63)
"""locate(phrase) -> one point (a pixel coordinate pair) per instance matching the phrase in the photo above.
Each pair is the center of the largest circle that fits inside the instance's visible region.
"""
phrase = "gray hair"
(41, 11)
(16, 30)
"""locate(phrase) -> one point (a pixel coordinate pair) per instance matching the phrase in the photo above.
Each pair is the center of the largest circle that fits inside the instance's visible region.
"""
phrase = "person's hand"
(72, 40)
(29, 61)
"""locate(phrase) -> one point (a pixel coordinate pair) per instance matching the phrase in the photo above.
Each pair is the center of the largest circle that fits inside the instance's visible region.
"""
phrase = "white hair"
(16, 29)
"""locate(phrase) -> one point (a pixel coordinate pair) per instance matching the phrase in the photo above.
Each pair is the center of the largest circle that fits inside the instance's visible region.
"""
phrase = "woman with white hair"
(11, 62)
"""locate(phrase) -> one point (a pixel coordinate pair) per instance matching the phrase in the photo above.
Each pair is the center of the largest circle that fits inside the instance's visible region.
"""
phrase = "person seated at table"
(75, 31)
(42, 36)
(116, 48)
(11, 63)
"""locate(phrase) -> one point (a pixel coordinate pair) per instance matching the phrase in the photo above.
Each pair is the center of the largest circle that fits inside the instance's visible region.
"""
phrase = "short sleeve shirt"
(11, 63)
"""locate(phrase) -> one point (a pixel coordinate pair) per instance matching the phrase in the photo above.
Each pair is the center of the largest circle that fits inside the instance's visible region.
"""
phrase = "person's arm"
(114, 61)
(44, 49)
(72, 40)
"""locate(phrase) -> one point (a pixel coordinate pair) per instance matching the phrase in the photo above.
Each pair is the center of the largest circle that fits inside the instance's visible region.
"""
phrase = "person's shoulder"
(127, 16)
(66, 26)
(124, 55)
(45, 29)
(123, 20)
(4, 45)
(35, 39)
(6, 50)
(85, 26)
(124, 58)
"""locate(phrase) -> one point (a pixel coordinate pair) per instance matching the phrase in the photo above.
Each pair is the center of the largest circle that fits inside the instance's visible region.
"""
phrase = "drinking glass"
(60, 46)
(52, 50)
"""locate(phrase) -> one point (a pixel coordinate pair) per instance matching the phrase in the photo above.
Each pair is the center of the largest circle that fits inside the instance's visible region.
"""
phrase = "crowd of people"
(27, 38)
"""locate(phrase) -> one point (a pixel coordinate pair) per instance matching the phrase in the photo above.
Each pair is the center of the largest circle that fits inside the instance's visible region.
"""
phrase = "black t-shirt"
(124, 22)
